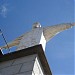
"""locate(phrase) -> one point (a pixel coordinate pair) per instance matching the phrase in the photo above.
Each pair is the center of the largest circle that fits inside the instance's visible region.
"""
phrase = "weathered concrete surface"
(29, 65)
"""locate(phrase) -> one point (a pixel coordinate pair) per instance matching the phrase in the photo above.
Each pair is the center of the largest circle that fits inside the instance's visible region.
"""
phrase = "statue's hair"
(36, 25)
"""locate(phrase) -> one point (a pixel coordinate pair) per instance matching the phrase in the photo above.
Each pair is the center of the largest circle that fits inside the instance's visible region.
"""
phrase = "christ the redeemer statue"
(38, 35)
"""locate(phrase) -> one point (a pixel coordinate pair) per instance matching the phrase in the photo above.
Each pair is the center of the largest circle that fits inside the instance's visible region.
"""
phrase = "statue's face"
(36, 25)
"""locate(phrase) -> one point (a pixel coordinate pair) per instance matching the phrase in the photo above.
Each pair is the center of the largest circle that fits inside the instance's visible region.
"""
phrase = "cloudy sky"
(17, 17)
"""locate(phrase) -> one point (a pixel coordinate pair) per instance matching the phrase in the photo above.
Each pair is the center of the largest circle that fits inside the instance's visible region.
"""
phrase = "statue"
(38, 35)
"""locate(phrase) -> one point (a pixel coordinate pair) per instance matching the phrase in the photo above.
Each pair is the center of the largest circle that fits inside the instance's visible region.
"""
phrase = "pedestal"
(30, 61)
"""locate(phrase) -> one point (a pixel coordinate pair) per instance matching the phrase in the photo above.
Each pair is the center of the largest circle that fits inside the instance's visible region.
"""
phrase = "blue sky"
(17, 17)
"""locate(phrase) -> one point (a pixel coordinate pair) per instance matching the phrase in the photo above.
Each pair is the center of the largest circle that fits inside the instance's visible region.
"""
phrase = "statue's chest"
(31, 39)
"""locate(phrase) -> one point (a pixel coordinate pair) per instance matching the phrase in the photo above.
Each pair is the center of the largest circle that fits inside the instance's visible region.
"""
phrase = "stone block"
(6, 64)
(10, 70)
(27, 66)
(24, 59)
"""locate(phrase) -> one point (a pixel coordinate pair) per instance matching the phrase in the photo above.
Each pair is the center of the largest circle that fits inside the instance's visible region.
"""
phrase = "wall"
(28, 65)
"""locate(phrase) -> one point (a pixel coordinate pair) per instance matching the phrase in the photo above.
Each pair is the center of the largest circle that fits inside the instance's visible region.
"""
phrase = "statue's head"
(36, 25)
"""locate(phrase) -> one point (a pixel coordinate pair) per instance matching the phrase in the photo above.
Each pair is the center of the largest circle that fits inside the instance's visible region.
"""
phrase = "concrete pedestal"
(30, 61)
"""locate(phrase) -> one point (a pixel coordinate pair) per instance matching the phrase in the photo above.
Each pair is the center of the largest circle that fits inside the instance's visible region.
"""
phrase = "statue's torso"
(31, 38)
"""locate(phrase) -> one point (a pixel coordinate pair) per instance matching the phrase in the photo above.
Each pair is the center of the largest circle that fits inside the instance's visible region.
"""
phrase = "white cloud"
(3, 10)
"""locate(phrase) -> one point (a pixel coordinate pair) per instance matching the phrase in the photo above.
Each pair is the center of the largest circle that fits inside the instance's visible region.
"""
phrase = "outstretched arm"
(51, 31)
(13, 43)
